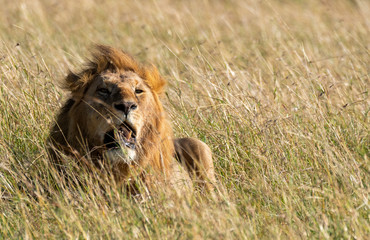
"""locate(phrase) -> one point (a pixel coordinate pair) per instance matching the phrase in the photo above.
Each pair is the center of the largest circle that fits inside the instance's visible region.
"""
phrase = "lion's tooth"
(129, 135)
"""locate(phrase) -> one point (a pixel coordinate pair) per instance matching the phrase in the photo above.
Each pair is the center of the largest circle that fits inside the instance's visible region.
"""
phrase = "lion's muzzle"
(120, 144)
(123, 136)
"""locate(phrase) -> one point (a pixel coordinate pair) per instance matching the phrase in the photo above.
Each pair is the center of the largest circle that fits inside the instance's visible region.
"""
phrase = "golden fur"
(196, 158)
(114, 117)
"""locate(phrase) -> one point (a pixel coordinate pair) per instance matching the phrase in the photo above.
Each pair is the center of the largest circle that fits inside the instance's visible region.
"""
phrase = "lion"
(114, 118)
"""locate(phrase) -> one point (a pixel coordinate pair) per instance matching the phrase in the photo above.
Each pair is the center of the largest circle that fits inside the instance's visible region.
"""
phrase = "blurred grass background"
(278, 89)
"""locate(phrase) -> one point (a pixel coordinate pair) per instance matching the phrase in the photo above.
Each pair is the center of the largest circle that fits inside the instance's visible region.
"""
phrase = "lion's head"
(115, 115)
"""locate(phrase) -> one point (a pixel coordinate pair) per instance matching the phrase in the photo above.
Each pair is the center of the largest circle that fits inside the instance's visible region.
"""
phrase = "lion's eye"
(138, 91)
(103, 91)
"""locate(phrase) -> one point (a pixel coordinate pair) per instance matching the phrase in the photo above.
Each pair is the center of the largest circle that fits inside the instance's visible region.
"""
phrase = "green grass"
(277, 89)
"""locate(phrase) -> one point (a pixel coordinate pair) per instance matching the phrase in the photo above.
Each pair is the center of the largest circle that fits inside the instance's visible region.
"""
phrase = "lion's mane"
(157, 148)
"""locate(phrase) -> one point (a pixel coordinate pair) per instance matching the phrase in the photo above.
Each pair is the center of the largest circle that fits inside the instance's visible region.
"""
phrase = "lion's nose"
(125, 107)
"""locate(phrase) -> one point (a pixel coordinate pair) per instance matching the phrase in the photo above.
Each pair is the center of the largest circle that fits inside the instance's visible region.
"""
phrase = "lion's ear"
(155, 81)
(76, 83)
(71, 82)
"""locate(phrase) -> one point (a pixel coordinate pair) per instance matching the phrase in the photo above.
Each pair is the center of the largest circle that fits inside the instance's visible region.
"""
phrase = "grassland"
(277, 89)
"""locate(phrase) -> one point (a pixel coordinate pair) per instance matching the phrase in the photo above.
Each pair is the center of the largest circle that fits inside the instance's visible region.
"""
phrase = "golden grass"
(278, 89)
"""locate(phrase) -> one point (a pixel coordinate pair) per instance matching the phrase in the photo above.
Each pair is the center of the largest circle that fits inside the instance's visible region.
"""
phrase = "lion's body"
(196, 157)
(115, 118)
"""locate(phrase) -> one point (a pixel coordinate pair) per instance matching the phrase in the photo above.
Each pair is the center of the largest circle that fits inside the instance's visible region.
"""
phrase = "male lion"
(114, 117)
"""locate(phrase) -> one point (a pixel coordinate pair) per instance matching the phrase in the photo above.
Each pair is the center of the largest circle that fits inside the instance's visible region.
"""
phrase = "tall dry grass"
(277, 89)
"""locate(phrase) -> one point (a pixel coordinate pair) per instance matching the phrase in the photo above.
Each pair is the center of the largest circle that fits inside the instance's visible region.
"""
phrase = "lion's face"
(115, 113)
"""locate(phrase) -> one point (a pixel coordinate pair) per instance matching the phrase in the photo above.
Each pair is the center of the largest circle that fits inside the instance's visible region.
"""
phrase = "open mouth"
(124, 135)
